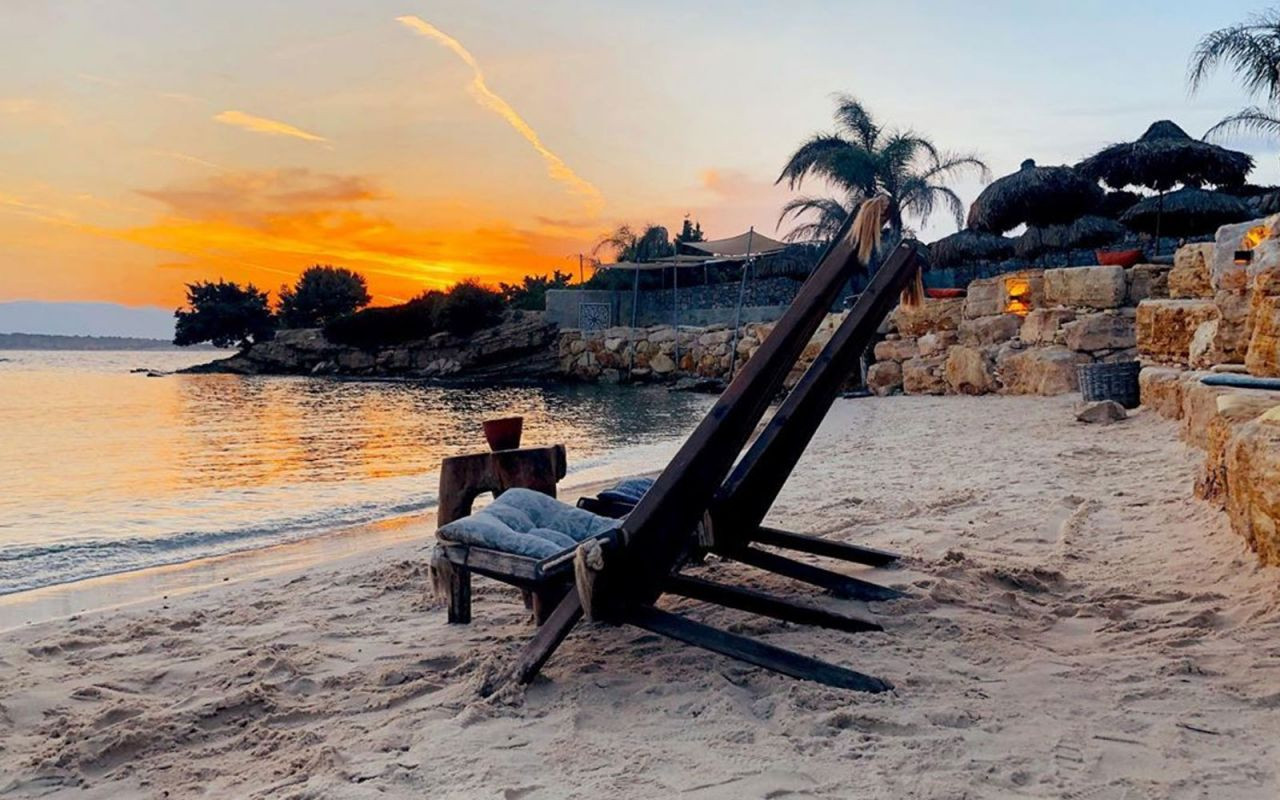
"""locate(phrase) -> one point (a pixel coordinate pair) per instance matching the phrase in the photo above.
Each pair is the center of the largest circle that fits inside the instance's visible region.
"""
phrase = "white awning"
(738, 245)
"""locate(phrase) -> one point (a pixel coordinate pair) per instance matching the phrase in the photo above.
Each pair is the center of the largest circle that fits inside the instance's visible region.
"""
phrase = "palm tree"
(627, 245)
(863, 159)
(1251, 50)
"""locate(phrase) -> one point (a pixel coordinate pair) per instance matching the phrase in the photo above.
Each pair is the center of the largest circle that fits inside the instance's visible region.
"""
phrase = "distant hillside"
(86, 319)
(43, 341)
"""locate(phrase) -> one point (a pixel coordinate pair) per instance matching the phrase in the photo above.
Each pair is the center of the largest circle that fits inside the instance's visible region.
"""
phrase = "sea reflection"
(102, 470)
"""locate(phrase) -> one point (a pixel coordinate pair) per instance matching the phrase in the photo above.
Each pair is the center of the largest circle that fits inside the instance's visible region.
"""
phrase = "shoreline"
(117, 590)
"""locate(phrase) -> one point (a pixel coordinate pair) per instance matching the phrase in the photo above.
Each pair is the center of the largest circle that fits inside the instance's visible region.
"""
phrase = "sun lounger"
(619, 575)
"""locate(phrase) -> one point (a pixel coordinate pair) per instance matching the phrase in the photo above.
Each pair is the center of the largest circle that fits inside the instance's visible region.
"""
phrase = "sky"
(145, 144)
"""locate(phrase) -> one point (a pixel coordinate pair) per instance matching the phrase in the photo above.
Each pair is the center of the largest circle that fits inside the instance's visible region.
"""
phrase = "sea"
(109, 462)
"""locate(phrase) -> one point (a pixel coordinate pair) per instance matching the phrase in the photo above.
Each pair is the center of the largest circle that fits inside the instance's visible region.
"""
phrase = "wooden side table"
(464, 478)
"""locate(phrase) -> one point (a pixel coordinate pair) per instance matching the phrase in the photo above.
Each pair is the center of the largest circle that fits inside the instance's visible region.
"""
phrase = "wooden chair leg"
(546, 599)
(458, 583)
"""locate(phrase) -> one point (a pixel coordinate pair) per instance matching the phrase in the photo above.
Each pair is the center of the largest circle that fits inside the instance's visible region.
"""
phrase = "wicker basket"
(1118, 381)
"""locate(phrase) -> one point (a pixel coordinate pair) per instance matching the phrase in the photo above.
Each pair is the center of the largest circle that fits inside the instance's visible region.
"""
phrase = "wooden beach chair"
(637, 565)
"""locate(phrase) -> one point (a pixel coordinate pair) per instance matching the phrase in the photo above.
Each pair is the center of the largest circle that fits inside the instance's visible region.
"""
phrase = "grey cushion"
(526, 523)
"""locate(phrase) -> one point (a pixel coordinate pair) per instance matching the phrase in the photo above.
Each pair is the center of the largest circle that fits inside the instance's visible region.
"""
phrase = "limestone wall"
(660, 353)
(1017, 333)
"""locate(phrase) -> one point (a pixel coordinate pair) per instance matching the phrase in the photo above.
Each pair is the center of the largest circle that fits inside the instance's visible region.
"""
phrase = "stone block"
(1085, 287)
(884, 377)
(1160, 389)
(662, 364)
(896, 349)
(1039, 370)
(1145, 281)
(1224, 273)
(1041, 325)
(1233, 409)
(1263, 355)
(970, 370)
(1165, 327)
(924, 376)
(984, 331)
(1253, 485)
(932, 344)
(930, 316)
(1189, 278)
(1105, 330)
(985, 297)
(1101, 412)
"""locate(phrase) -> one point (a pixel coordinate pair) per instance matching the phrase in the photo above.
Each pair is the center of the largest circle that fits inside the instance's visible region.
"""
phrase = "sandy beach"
(1076, 626)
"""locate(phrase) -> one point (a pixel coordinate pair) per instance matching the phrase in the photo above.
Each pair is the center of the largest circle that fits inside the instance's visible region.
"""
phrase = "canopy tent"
(744, 244)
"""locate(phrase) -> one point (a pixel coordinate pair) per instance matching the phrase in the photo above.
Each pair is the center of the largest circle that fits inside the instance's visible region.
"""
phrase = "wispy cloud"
(556, 167)
(270, 127)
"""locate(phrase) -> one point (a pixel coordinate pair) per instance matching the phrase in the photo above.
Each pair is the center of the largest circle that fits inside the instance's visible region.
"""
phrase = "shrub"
(464, 309)
(321, 295)
(224, 314)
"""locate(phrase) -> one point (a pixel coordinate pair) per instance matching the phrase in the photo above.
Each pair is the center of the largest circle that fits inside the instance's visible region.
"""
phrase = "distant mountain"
(44, 341)
(85, 319)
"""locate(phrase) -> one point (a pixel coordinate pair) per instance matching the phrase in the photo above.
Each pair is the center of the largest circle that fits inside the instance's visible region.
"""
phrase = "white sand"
(1078, 627)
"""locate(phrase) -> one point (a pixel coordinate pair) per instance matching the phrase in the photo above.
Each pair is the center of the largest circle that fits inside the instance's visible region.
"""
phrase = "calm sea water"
(103, 471)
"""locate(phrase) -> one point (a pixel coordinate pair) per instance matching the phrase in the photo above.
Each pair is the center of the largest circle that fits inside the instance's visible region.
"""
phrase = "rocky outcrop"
(521, 348)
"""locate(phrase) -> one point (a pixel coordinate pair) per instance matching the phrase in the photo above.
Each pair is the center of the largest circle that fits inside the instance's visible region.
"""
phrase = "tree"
(224, 314)
(627, 245)
(531, 294)
(689, 232)
(1251, 50)
(321, 295)
(863, 159)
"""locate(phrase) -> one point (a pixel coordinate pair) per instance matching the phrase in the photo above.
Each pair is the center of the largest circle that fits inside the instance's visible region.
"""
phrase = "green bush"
(321, 295)
(464, 309)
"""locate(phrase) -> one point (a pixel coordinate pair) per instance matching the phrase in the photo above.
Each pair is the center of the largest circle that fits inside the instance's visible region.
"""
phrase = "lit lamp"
(1244, 257)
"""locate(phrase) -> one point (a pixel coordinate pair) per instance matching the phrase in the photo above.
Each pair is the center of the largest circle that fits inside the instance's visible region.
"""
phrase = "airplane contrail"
(556, 167)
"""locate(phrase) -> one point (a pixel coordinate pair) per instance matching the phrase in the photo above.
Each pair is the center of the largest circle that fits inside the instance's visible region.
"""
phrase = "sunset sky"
(148, 143)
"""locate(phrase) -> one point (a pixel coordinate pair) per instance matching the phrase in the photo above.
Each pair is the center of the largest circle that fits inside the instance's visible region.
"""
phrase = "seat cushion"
(628, 490)
(527, 523)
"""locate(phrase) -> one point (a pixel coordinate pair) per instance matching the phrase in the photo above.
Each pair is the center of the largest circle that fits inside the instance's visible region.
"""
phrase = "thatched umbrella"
(1117, 202)
(1186, 212)
(1034, 196)
(1164, 157)
(1086, 232)
(969, 246)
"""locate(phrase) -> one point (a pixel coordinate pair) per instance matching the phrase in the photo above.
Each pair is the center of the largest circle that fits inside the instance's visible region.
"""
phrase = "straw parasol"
(1164, 157)
(1086, 232)
(1034, 196)
(1115, 203)
(968, 246)
(1186, 212)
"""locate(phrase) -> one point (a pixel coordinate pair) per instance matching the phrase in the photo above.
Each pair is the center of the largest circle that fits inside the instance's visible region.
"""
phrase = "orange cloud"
(269, 127)
(556, 167)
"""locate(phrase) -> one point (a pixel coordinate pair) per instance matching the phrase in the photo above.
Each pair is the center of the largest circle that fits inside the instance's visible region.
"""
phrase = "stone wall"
(1239, 430)
(700, 305)
(1022, 332)
(660, 353)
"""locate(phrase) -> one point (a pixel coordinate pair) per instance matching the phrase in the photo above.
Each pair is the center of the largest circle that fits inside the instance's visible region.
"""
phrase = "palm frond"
(853, 117)
(1253, 119)
(1251, 49)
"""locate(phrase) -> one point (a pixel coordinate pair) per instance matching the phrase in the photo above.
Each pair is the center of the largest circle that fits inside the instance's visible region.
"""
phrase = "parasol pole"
(635, 304)
(742, 293)
(1159, 215)
(675, 306)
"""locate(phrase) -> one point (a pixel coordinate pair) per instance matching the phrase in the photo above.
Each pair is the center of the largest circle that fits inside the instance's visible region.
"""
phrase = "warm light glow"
(1018, 290)
(1253, 237)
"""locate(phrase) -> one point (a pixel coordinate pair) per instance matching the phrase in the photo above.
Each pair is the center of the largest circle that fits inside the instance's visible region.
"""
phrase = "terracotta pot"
(1118, 258)
(504, 433)
(942, 294)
